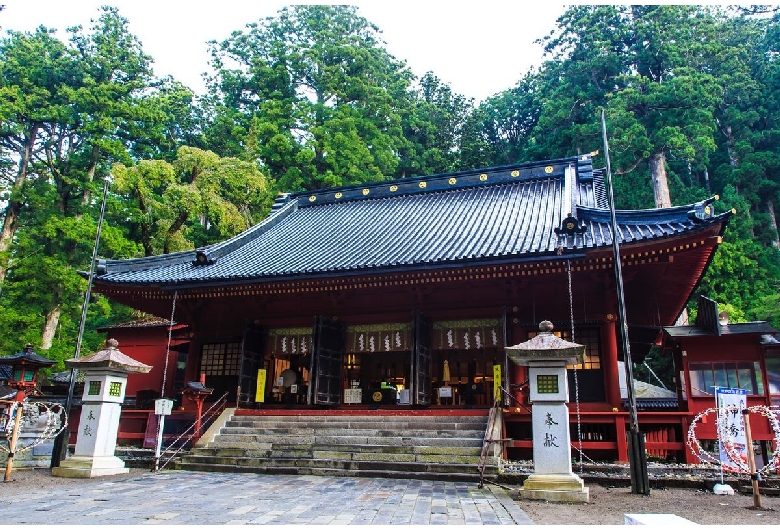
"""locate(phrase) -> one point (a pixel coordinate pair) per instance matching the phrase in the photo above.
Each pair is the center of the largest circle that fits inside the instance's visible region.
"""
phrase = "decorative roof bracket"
(570, 225)
(203, 258)
(702, 210)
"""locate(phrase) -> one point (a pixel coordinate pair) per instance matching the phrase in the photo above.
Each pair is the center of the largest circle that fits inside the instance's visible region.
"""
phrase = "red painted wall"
(149, 346)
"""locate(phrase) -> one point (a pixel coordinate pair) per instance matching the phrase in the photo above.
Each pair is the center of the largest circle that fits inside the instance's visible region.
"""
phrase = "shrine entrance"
(465, 353)
(417, 363)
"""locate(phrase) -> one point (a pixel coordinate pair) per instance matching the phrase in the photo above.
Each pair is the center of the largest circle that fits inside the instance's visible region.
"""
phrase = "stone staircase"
(377, 443)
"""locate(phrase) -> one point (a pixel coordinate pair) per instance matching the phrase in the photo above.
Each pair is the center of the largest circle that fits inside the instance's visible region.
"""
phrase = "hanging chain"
(167, 355)
(576, 381)
(168, 346)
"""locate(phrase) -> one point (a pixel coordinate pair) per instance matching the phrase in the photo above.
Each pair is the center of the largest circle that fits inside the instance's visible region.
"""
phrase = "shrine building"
(403, 294)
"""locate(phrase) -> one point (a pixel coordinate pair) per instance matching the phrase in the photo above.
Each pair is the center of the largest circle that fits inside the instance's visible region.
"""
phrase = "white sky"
(478, 48)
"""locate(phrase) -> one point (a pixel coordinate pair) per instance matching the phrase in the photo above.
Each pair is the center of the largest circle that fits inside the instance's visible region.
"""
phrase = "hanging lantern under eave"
(24, 368)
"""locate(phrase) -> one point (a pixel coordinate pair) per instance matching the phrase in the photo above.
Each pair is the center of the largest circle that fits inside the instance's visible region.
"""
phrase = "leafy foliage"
(312, 95)
(310, 98)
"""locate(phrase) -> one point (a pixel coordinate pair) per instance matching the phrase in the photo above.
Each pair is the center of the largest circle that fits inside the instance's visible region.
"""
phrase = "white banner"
(731, 427)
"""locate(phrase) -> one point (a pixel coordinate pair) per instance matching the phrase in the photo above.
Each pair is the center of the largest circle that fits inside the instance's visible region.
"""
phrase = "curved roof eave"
(492, 218)
(567, 254)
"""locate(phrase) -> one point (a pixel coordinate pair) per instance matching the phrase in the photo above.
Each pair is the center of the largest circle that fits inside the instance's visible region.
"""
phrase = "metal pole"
(60, 448)
(637, 457)
(720, 438)
(158, 445)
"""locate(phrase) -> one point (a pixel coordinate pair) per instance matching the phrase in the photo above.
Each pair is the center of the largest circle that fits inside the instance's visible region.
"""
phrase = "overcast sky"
(479, 48)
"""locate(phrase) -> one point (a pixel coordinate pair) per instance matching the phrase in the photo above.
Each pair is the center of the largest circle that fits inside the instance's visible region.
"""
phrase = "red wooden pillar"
(620, 438)
(690, 458)
(610, 359)
(519, 374)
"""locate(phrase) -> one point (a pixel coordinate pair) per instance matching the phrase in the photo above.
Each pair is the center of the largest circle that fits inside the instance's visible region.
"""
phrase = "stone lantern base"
(555, 487)
(90, 466)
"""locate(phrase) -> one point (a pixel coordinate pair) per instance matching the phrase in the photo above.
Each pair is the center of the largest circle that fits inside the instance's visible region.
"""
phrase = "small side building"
(717, 353)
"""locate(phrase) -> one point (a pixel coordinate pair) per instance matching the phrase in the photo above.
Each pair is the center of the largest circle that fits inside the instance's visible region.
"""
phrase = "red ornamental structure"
(24, 368)
(197, 392)
(361, 290)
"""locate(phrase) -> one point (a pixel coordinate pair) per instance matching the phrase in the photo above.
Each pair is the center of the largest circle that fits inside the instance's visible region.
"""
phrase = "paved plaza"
(199, 498)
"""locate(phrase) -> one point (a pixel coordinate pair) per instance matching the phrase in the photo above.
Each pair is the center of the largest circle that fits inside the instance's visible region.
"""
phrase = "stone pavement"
(200, 498)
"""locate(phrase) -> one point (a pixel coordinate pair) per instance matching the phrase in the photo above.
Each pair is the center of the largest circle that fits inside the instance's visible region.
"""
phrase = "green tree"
(432, 126)
(33, 68)
(501, 130)
(749, 158)
(67, 111)
(312, 95)
(744, 273)
(651, 68)
(197, 199)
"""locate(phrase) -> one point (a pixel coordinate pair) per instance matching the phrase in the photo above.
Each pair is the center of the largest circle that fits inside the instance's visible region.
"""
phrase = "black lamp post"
(24, 374)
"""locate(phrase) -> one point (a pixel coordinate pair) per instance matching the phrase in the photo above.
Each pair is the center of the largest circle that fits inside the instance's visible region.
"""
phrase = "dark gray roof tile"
(467, 217)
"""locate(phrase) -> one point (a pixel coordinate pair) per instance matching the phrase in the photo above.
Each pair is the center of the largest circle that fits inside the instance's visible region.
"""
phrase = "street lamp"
(24, 373)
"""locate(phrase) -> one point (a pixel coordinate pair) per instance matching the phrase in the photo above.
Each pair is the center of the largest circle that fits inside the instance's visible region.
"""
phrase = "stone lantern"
(24, 368)
(546, 357)
(105, 381)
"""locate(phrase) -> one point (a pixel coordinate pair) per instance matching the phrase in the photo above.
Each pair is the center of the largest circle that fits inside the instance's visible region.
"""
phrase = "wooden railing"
(489, 440)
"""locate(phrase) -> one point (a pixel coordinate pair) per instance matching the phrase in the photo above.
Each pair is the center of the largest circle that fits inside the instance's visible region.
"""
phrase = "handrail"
(486, 444)
(486, 441)
(206, 419)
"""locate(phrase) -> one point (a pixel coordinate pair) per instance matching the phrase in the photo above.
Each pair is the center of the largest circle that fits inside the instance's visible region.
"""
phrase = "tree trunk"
(14, 206)
(770, 209)
(660, 182)
(10, 224)
(730, 146)
(50, 327)
(93, 163)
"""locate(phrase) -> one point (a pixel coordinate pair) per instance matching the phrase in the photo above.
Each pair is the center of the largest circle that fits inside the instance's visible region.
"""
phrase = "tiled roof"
(654, 403)
(493, 215)
(742, 328)
(146, 322)
(27, 356)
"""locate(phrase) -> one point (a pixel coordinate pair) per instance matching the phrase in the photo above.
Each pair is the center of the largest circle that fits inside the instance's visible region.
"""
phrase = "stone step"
(295, 430)
(415, 449)
(425, 447)
(372, 473)
(230, 440)
(327, 463)
(386, 453)
(369, 423)
(265, 449)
